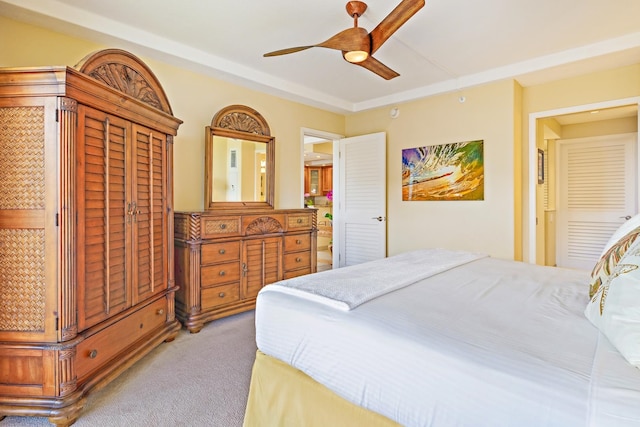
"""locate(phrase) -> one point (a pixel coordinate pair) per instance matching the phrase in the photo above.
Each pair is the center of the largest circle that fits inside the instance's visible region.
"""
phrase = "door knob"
(627, 217)
(379, 218)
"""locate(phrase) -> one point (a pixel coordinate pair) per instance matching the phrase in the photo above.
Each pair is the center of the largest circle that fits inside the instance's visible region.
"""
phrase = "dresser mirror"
(239, 160)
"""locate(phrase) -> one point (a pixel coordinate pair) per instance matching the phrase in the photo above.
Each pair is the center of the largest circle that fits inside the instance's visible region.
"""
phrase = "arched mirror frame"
(245, 123)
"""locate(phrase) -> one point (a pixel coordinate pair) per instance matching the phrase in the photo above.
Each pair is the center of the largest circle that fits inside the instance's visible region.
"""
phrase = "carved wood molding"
(242, 119)
(126, 73)
(264, 225)
(187, 226)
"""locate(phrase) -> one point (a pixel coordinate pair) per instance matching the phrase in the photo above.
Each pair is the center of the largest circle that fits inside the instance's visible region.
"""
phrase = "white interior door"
(360, 231)
(597, 182)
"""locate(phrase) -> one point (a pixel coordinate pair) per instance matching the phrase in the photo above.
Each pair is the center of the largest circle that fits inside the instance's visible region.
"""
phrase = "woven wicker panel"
(221, 226)
(299, 221)
(22, 283)
(22, 158)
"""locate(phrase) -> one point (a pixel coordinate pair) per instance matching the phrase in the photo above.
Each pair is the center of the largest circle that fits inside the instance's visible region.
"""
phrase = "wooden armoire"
(86, 229)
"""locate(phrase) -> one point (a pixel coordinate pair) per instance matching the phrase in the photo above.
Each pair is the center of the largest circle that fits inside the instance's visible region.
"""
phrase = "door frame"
(335, 138)
(533, 158)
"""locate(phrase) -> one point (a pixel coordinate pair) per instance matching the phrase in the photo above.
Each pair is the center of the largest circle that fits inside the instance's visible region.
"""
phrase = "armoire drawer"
(220, 252)
(220, 295)
(297, 260)
(217, 274)
(100, 348)
(298, 242)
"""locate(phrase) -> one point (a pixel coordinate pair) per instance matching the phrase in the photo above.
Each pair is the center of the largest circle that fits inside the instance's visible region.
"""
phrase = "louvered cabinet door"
(102, 191)
(261, 264)
(150, 213)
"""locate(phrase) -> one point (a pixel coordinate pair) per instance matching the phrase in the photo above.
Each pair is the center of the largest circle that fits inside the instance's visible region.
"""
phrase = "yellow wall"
(487, 114)
(194, 98)
(498, 113)
(602, 86)
(599, 128)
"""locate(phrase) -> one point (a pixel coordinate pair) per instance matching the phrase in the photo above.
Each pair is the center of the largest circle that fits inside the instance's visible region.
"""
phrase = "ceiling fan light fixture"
(356, 56)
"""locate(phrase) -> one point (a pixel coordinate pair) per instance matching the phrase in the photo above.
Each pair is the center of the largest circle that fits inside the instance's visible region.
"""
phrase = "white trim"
(533, 156)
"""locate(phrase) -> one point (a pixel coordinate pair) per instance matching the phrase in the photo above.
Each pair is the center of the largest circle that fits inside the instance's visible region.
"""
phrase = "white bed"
(487, 342)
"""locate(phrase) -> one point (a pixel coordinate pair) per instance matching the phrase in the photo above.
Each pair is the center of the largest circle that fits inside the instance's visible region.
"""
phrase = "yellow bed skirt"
(281, 396)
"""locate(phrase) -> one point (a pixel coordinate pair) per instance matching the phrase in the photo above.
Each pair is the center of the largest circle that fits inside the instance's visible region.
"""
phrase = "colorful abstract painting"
(443, 172)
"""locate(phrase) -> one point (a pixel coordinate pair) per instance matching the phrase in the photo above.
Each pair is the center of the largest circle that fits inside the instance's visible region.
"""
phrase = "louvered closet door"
(597, 189)
(151, 241)
(102, 233)
(262, 264)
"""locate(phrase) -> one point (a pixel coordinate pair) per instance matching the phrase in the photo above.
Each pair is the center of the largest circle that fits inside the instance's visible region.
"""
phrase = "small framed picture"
(540, 166)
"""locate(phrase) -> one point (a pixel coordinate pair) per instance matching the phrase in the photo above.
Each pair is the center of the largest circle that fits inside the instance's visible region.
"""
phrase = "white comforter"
(347, 288)
(489, 343)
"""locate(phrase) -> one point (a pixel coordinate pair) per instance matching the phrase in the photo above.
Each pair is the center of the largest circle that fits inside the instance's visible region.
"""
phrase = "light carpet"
(197, 380)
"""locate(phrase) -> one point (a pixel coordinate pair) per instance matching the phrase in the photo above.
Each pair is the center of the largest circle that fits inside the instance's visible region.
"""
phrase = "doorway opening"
(318, 171)
(545, 130)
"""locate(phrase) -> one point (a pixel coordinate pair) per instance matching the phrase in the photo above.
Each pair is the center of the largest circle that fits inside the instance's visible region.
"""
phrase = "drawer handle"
(221, 294)
(223, 226)
(298, 242)
(160, 312)
(298, 259)
(222, 251)
(299, 221)
(222, 273)
(93, 354)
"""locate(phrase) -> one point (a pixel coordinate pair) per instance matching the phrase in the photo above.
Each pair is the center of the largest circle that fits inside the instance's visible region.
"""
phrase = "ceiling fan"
(357, 45)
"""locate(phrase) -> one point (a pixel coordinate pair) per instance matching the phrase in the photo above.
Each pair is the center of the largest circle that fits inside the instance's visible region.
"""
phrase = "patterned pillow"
(608, 261)
(614, 307)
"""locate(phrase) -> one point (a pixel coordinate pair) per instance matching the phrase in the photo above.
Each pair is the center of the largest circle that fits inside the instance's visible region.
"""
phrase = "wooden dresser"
(223, 258)
(86, 229)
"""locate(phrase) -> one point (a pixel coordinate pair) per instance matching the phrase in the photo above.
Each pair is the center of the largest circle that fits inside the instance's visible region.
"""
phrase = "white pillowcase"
(615, 308)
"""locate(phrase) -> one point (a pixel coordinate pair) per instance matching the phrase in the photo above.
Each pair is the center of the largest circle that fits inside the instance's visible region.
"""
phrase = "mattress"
(488, 343)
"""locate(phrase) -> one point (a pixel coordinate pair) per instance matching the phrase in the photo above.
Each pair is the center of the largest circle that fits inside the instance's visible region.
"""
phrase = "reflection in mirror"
(239, 164)
(238, 170)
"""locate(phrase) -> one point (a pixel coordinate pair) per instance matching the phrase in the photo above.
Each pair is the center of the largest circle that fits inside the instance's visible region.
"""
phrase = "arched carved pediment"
(126, 73)
(264, 225)
(241, 118)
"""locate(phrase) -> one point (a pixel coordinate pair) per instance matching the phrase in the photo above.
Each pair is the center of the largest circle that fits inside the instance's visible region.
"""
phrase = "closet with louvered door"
(86, 229)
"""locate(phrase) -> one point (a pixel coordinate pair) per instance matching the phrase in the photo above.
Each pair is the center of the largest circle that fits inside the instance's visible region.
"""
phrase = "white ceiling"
(447, 46)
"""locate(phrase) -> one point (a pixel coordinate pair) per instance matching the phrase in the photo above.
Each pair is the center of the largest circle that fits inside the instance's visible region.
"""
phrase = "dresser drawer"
(296, 260)
(220, 295)
(216, 227)
(220, 252)
(216, 274)
(301, 221)
(298, 242)
(295, 273)
(100, 348)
